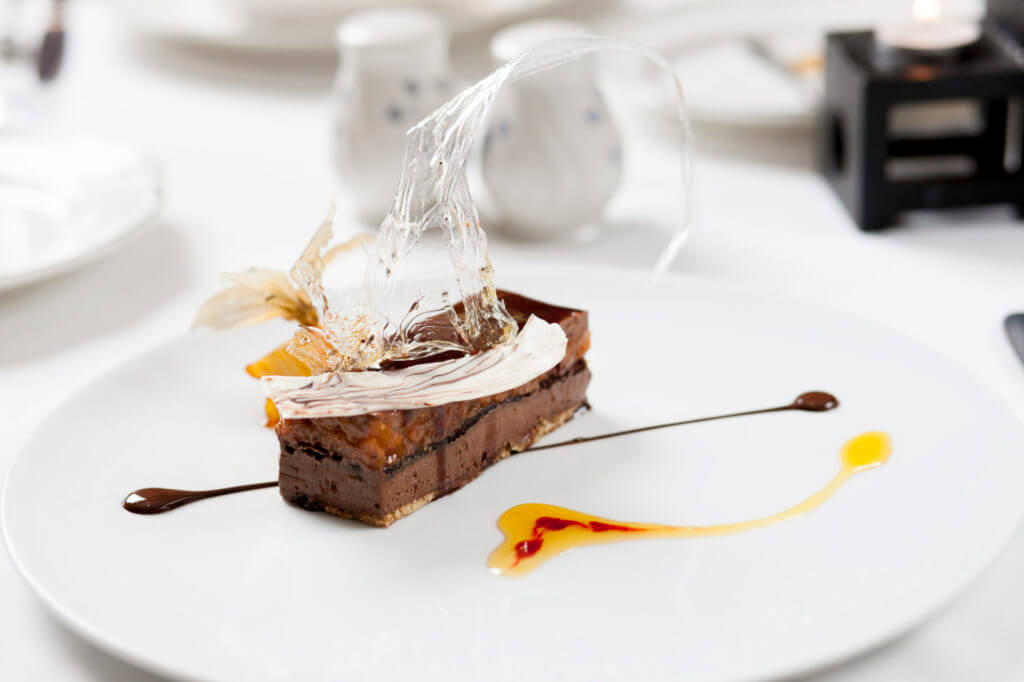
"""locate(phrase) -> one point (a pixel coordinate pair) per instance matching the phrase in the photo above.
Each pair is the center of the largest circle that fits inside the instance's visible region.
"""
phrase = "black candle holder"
(865, 160)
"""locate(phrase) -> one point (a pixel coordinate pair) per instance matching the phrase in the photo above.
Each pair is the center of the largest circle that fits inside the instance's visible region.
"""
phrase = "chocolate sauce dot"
(816, 401)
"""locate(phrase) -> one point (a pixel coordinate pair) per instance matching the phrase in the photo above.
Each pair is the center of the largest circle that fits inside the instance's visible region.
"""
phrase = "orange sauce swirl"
(535, 533)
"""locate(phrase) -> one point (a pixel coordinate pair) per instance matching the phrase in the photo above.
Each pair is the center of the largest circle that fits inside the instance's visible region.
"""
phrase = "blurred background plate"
(68, 199)
(304, 26)
(777, 80)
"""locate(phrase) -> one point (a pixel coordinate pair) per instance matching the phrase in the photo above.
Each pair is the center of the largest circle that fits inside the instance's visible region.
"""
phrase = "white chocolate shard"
(538, 347)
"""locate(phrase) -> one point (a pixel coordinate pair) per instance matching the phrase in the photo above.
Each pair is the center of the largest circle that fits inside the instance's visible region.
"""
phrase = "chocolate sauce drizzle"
(812, 401)
(160, 500)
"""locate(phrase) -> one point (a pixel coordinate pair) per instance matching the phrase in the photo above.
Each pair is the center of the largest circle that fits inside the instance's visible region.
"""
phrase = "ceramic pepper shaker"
(393, 71)
(552, 158)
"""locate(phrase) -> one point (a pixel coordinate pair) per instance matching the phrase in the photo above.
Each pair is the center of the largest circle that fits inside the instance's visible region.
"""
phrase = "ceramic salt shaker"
(393, 71)
(552, 158)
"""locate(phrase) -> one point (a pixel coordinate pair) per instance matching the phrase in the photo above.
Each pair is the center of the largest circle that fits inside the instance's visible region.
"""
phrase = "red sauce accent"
(601, 527)
(527, 548)
(553, 523)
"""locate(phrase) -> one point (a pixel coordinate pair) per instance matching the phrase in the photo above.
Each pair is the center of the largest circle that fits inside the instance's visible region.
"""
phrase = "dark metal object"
(1014, 325)
(1009, 16)
(51, 52)
(49, 55)
(857, 151)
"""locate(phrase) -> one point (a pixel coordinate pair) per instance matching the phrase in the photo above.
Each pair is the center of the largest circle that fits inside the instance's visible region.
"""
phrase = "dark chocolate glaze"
(812, 401)
(159, 500)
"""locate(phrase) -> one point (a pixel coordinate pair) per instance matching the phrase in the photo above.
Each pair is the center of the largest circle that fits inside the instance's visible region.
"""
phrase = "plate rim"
(804, 665)
(116, 241)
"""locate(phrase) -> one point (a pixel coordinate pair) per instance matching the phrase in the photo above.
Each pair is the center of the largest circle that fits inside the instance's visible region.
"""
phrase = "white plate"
(287, 26)
(66, 200)
(248, 587)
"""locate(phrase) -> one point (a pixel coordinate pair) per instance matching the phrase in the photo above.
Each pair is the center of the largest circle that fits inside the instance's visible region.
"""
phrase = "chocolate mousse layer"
(381, 466)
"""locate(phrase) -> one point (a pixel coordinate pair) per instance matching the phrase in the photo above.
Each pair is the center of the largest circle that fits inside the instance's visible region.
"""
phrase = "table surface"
(243, 143)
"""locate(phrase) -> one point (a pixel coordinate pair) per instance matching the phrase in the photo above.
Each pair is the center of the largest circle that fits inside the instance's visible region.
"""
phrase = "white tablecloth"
(243, 142)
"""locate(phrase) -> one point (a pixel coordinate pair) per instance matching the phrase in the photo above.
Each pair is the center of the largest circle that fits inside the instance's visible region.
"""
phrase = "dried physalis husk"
(255, 296)
(258, 295)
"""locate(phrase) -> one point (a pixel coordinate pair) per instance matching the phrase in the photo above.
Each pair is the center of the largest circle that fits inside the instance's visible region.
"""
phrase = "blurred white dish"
(308, 26)
(249, 588)
(552, 156)
(68, 199)
(772, 82)
(393, 70)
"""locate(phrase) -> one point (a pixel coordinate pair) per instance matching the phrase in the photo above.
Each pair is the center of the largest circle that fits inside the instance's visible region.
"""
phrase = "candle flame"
(927, 10)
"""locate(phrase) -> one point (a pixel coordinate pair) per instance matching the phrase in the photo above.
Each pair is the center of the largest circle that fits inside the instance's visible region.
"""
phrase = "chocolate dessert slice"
(381, 466)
